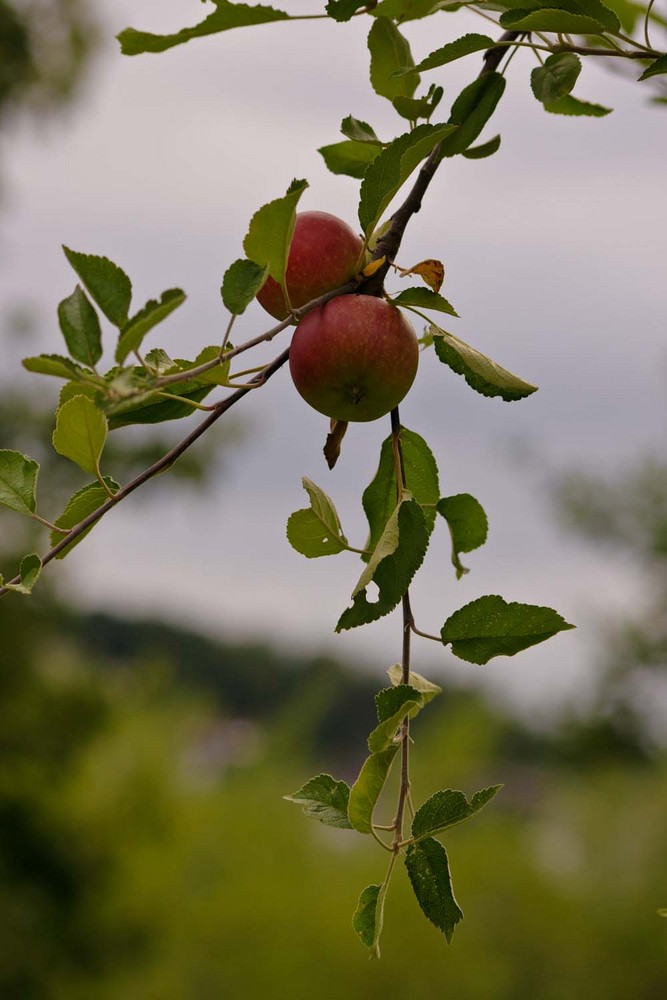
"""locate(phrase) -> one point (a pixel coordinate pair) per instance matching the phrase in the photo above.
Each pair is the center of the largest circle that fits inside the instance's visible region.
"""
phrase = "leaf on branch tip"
(393, 705)
(491, 627)
(480, 372)
(154, 312)
(80, 327)
(368, 917)
(107, 283)
(396, 558)
(350, 157)
(316, 530)
(224, 17)
(658, 66)
(84, 502)
(467, 523)
(18, 482)
(366, 790)
(240, 284)
(431, 271)
(31, 567)
(425, 299)
(426, 688)
(428, 869)
(80, 434)
(449, 808)
(271, 229)
(325, 799)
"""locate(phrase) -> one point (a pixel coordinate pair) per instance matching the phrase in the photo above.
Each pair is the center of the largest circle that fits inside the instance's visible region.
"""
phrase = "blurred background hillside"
(145, 850)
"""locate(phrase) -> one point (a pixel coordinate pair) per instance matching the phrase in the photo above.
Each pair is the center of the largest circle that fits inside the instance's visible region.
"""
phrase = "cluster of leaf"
(395, 75)
(91, 404)
(399, 534)
(336, 804)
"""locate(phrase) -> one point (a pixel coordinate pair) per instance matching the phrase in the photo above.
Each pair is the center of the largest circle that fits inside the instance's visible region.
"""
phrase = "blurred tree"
(45, 47)
(627, 513)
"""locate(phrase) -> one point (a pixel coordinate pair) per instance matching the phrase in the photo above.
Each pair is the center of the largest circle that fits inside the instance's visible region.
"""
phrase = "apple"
(354, 358)
(324, 253)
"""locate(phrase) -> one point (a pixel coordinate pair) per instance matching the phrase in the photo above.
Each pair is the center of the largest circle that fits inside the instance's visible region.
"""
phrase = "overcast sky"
(555, 256)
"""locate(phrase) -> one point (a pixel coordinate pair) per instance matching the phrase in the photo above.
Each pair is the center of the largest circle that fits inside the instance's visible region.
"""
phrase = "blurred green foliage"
(146, 851)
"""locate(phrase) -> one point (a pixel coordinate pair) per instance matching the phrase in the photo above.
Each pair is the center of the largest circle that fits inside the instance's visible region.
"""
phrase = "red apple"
(324, 254)
(354, 358)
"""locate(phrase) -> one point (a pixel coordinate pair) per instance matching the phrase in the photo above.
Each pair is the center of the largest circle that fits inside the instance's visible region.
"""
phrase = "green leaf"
(72, 389)
(427, 689)
(390, 52)
(421, 479)
(84, 502)
(242, 280)
(413, 108)
(369, 915)
(657, 67)
(80, 434)
(428, 871)
(218, 375)
(557, 21)
(393, 704)
(482, 151)
(471, 111)
(463, 46)
(407, 10)
(159, 362)
(53, 364)
(349, 157)
(226, 16)
(18, 482)
(271, 230)
(109, 286)
(395, 560)
(80, 327)
(153, 312)
(150, 409)
(481, 373)
(316, 530)
(424, 298)
(448, 808)
(343, 10)
(468, 526)
(491, 627)
(573, 106)
(592, 8)
(556, 77)
(366, 790)
(360, 131)
(31, 567)
(392, 167)
(325, 799)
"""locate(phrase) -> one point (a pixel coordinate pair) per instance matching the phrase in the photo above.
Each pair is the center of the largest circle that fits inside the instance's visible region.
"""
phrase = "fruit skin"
(324, 254)
(354, 358)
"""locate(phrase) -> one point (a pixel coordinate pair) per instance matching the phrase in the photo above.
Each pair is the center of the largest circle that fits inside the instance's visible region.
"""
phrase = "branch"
(162, 464)
(294, 317)
(404, 732)
(388, 245)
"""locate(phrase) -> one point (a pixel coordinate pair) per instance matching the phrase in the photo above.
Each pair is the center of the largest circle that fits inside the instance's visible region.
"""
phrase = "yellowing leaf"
(432, 272)
(374, 266)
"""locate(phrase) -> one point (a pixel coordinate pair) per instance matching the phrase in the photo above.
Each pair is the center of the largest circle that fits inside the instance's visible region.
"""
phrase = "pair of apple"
(355, 357)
